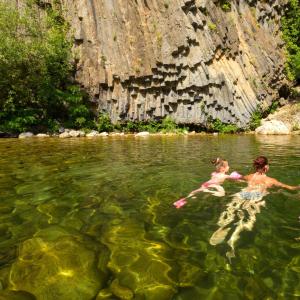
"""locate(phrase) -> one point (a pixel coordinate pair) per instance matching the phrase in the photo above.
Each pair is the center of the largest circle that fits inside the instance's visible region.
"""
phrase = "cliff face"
(145, 59)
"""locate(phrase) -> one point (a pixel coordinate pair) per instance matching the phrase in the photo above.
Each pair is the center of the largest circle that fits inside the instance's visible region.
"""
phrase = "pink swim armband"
(235, 175)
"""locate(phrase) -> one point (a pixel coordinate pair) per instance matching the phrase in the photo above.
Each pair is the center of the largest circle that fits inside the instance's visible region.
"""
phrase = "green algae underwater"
(93, 219)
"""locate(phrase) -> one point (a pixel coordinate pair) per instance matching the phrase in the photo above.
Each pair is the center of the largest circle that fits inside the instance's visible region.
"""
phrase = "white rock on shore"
(64, 135)
(71, 134)
(25, 135)
(42, 135)
(143, 133)
(93, 133)
(103, 134)
(273, 127)
(76, 133)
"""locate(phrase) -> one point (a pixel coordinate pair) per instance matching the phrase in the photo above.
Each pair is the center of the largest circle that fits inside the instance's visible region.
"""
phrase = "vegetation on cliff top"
(291, 35)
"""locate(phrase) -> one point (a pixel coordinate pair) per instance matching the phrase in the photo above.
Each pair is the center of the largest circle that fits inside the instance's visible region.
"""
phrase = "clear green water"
(93, 219)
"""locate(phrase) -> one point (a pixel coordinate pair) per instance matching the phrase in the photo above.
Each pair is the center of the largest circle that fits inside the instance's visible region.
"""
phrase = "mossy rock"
(120, 291)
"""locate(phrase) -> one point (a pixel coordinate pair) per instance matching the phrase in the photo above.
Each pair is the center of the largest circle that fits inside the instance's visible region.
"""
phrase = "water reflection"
(275, 140)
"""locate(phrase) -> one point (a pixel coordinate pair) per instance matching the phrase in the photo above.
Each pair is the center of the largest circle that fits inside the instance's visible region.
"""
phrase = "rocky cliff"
(190, 59)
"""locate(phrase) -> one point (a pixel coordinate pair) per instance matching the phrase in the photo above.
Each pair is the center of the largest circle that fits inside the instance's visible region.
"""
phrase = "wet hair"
(219, 163)
(259, 163)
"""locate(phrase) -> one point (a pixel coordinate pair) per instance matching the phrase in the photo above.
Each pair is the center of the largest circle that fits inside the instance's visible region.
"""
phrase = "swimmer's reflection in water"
(241, 211)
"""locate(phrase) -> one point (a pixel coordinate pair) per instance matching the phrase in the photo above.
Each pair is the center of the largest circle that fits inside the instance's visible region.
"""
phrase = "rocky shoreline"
(80, 134)
(284, 121)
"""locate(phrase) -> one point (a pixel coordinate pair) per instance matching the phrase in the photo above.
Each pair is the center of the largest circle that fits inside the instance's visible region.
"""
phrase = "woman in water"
(259, 181)
(242, 210)
(213, 186)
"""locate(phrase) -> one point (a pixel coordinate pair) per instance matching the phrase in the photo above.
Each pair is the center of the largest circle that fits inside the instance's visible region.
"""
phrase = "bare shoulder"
(248, 177)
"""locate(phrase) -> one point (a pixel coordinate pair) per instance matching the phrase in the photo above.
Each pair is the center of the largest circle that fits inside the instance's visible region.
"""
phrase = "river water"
(93, 219)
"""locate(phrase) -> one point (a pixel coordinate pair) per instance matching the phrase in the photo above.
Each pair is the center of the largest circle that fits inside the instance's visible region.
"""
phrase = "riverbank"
(284, 120)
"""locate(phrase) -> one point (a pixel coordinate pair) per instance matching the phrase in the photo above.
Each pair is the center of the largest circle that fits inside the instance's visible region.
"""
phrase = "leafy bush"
(225, 5)
(255, 120)
(104, 123)
(212, 26)
(168, 125)
(218, 126)
(259, 114)
(291, 35)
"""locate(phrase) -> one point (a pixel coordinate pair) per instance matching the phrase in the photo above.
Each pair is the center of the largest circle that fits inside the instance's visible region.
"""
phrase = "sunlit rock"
(212, 64)
(273, 127)
(76, 133)
(64, 135)
(25, 135)
(93, 133)
(56, 268)
(103, 134)
(143, 133)
(42, 135)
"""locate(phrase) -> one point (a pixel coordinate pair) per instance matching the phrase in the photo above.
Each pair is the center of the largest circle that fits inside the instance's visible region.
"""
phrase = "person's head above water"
(221, 165)
(261, 164)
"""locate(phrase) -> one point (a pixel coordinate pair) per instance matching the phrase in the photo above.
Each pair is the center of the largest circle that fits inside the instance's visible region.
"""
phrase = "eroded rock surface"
(185, 58)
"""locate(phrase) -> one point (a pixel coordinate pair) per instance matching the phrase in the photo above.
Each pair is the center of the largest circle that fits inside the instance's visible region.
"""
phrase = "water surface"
(86, 218)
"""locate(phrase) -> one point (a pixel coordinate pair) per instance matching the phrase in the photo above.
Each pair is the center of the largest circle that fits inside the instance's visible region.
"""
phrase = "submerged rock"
(273, 127)
(141, 267)
(120, 291)
(105, 294)
(60, 267)
(16, 295)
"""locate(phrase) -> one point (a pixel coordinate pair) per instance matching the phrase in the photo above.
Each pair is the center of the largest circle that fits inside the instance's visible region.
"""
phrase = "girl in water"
(242, 210)
(213, 186)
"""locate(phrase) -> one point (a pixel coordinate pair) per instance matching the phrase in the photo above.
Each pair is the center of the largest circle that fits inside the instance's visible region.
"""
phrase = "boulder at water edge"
(273, 127)
(42, 135)
(143, 133)
(25, 135)
(103, 134)
(65, 135)
(56, 268)
(93, 133)
(77, 133)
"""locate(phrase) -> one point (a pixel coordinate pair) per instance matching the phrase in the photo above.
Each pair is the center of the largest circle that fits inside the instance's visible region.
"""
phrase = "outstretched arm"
(285, 186)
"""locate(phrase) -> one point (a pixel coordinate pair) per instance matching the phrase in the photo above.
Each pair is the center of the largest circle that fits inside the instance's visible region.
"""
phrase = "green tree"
(291, 35)
(35, 65)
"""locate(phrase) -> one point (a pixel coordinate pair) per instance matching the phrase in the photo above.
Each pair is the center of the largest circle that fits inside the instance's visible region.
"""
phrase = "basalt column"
(147, 59)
